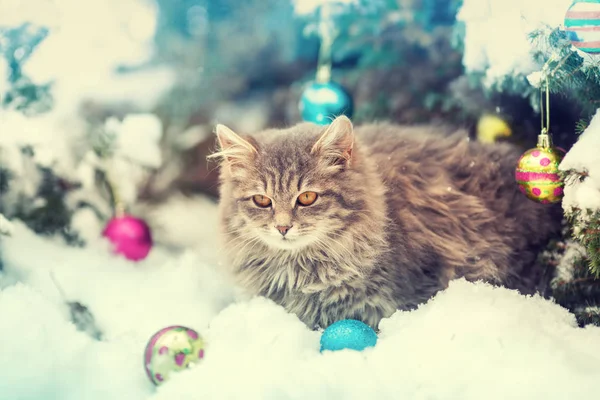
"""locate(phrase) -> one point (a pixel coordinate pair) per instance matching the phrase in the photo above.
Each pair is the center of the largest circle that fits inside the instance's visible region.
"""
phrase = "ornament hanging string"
(544, 139)
(327, 33)
(537, 172)
(545, 111)
(104, 147)
(118, 205)
(323, 99)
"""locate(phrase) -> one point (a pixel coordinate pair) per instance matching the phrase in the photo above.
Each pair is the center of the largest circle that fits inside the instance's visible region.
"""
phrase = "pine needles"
(572, 75)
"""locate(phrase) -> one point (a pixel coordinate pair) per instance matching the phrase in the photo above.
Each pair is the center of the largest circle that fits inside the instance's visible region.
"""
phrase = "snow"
(307, 7)
(171, 223)
(496, 39)
(5, 226)
(565, 270)
(471, 341)
(86, 43)
(50, 138)
(137, 138)
(584, 157)
(62, 145)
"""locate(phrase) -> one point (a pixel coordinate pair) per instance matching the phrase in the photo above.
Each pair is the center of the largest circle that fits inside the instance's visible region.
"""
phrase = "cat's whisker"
(336, 253)
(238, 235)
(328, 248)
(341, 245)
(240, 253)
(349, 251)
(240, 242)
(240, 246)
(242, 229)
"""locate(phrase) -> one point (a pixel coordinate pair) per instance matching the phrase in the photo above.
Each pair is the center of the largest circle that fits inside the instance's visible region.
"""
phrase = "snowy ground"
(470, 342)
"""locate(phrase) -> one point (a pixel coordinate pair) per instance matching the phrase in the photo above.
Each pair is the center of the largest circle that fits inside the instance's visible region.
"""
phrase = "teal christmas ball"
(348, 334)
(582, 25)
(320, 103)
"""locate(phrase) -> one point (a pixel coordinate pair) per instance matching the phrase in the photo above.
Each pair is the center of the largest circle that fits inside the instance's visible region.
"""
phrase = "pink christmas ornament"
(130, 236)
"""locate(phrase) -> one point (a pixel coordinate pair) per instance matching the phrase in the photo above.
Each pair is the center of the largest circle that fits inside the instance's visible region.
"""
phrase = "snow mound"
(307, 7)
(96, 40)
(585, 158)
(497, 34)
(472, 341)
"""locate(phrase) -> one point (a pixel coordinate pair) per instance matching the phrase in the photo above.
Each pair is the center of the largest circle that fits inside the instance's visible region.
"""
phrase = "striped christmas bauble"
(537, 174)
(582, 24)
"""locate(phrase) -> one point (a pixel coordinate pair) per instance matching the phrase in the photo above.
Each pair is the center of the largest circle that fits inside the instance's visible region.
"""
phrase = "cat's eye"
(307, 198)
(261, 201)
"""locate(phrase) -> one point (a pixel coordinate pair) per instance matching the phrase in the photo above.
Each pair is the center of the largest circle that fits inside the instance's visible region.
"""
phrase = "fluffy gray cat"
(343, 222)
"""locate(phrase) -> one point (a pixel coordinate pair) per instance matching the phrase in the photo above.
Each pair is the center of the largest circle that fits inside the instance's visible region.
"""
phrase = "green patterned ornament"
(172, 349)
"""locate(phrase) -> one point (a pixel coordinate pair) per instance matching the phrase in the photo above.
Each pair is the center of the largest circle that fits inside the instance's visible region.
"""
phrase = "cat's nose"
(283, 229)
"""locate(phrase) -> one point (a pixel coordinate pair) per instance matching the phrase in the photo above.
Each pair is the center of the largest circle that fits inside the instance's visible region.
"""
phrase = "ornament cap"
(119, 210)
(323, 74)
(544, 140)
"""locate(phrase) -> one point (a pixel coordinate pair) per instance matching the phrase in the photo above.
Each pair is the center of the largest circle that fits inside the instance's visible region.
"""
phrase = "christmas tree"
(64, 150)
(551, 44)
(579, 286)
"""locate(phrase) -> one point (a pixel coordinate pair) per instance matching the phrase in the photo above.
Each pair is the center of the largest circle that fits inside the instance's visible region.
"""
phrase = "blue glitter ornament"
(322, 102)
(348, 334)
(582, 24)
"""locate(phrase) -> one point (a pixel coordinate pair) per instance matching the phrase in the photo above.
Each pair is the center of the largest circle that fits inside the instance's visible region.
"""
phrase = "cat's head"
(291, 188)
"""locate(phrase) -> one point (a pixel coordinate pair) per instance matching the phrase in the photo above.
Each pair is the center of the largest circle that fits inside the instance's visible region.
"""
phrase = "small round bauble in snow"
(322, 102)
(348, 334)
(582, 24)
(172, 349)
(537, 174)
(130, 237)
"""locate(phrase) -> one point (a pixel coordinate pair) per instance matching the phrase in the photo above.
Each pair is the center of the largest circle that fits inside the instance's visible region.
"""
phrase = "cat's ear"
(234, 149)
(337, 142)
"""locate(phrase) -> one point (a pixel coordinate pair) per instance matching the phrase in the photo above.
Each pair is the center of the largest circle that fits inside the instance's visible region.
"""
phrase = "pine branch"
(569, 177)
(586, 229)
(103, 141)
(16, 46)
(5, 177)
(570, 75)
(579, 292)
(588, 317)
(581, 126)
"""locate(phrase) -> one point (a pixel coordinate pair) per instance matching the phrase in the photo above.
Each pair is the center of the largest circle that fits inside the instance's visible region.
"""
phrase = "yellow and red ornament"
(537, 172)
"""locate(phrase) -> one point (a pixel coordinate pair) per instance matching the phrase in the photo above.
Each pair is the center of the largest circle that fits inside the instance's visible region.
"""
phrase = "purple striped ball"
(582, 24)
